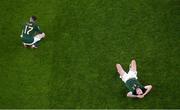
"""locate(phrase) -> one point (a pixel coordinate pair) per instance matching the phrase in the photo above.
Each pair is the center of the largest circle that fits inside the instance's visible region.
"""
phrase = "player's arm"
(37, 29)
(21, 34)
(129, 94)
(148, 87)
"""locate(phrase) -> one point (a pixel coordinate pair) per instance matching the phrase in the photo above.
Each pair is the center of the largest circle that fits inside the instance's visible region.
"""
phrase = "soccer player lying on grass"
(31, 34)
(136, 89)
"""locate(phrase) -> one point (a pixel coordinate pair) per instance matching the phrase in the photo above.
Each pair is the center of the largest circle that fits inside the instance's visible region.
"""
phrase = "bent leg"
(40, 36)
(133, 66)
(120, 70)
(37, 38)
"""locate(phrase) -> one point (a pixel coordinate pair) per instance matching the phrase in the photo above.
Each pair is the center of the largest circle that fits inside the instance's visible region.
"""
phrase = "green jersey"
(132, 84)
(29, 30)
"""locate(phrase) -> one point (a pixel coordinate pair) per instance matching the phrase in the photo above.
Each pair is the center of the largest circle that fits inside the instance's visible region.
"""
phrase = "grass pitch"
(74, 67)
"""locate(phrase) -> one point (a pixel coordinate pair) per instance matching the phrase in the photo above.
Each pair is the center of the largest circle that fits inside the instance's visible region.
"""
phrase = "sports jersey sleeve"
(132, 84)
(22, 31)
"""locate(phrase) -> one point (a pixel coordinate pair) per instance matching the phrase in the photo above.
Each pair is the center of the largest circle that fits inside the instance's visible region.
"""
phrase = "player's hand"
(140, 96)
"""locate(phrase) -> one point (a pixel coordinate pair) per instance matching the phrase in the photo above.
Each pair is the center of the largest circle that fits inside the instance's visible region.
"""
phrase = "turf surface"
(74, 65)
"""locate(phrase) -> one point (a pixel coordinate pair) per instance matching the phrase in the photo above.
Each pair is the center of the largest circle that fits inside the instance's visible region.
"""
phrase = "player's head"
(139, 91)
(33, 18)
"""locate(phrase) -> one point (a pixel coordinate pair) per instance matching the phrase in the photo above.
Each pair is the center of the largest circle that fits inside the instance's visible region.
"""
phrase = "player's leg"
(133, 70)
(120, 70)
(40, 36)
(133, 66)
(123, 75)
(37, 39)
(27, 41)
(37, 43)
(25, 46)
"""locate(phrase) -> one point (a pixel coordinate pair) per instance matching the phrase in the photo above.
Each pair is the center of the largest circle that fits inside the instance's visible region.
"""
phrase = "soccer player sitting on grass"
(31, 34)
(136, 89)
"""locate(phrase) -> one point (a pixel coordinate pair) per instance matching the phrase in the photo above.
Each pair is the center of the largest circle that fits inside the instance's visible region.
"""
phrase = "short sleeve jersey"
(132, 84)
(29, 30)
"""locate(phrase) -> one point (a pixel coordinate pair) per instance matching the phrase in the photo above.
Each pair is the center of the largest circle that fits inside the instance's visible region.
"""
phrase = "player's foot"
(25, 46)
(34, 47)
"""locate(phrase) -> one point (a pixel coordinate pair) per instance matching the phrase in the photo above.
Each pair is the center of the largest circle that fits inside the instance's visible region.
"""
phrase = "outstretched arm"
(148, 87)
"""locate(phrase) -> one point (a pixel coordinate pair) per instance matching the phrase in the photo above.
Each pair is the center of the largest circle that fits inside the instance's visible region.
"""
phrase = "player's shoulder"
(35, 25)
(29, 23)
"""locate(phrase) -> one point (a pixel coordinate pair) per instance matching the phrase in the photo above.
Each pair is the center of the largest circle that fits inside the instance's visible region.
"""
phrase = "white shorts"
(36, 39)
(129, 75)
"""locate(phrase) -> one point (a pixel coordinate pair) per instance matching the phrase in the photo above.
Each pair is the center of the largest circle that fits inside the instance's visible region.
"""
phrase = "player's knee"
(43, 34)
(118, 65)
(150, 86)
(133, 61)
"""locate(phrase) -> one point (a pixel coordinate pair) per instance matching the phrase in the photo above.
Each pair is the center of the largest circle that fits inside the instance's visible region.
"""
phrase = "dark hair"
(34, 18)
(143, 90)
